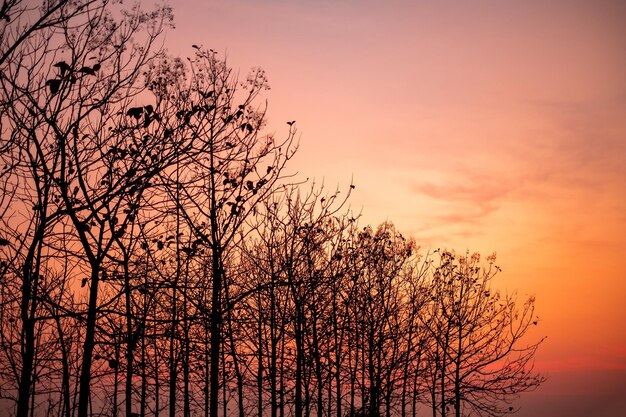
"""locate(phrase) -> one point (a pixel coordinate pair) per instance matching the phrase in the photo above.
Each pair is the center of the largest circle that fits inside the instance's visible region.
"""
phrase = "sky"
(491, 126)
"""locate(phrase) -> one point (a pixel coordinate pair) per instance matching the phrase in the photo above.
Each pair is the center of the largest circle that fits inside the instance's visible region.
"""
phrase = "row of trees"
(156, 259)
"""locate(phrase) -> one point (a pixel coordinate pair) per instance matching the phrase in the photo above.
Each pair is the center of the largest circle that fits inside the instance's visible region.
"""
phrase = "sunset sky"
(481, 125)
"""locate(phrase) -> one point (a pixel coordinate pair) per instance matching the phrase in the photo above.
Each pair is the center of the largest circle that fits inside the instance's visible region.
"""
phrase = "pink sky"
(483, 125)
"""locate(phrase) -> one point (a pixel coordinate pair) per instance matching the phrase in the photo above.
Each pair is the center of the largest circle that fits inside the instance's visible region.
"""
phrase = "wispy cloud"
(463, 200)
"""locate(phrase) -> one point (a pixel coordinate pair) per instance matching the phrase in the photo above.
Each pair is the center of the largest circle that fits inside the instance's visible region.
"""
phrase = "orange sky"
(487, 125)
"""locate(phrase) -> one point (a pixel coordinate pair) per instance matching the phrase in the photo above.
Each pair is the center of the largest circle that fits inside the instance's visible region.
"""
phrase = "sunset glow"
(312, 208)
(483, 126)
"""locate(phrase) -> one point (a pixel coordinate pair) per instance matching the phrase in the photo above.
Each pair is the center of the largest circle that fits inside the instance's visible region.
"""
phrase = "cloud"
(578, 143)
(565, 163)
(465, 198)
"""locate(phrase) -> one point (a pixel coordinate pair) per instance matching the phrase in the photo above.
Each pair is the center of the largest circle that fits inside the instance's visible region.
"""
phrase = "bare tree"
(385, 255)
(67, 72)
(483, 361)
(236, 169)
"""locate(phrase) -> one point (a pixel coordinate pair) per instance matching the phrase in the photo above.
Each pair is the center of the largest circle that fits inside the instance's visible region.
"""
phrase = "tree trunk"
(30, 284)
(299, 362)
(273, 351)
(130, 341)
(88, 346)
(216, 324)
(116, 377)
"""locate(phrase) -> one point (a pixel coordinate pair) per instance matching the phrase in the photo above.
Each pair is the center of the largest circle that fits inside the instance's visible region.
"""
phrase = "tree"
(294, 259)
(482, 363)
(384, 255)
(234, 167)
(67, 75)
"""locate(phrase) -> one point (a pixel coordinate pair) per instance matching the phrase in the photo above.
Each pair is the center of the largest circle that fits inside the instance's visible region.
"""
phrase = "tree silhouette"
(231, 168)
(156, 257)
(61, 107)
(481, 364)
